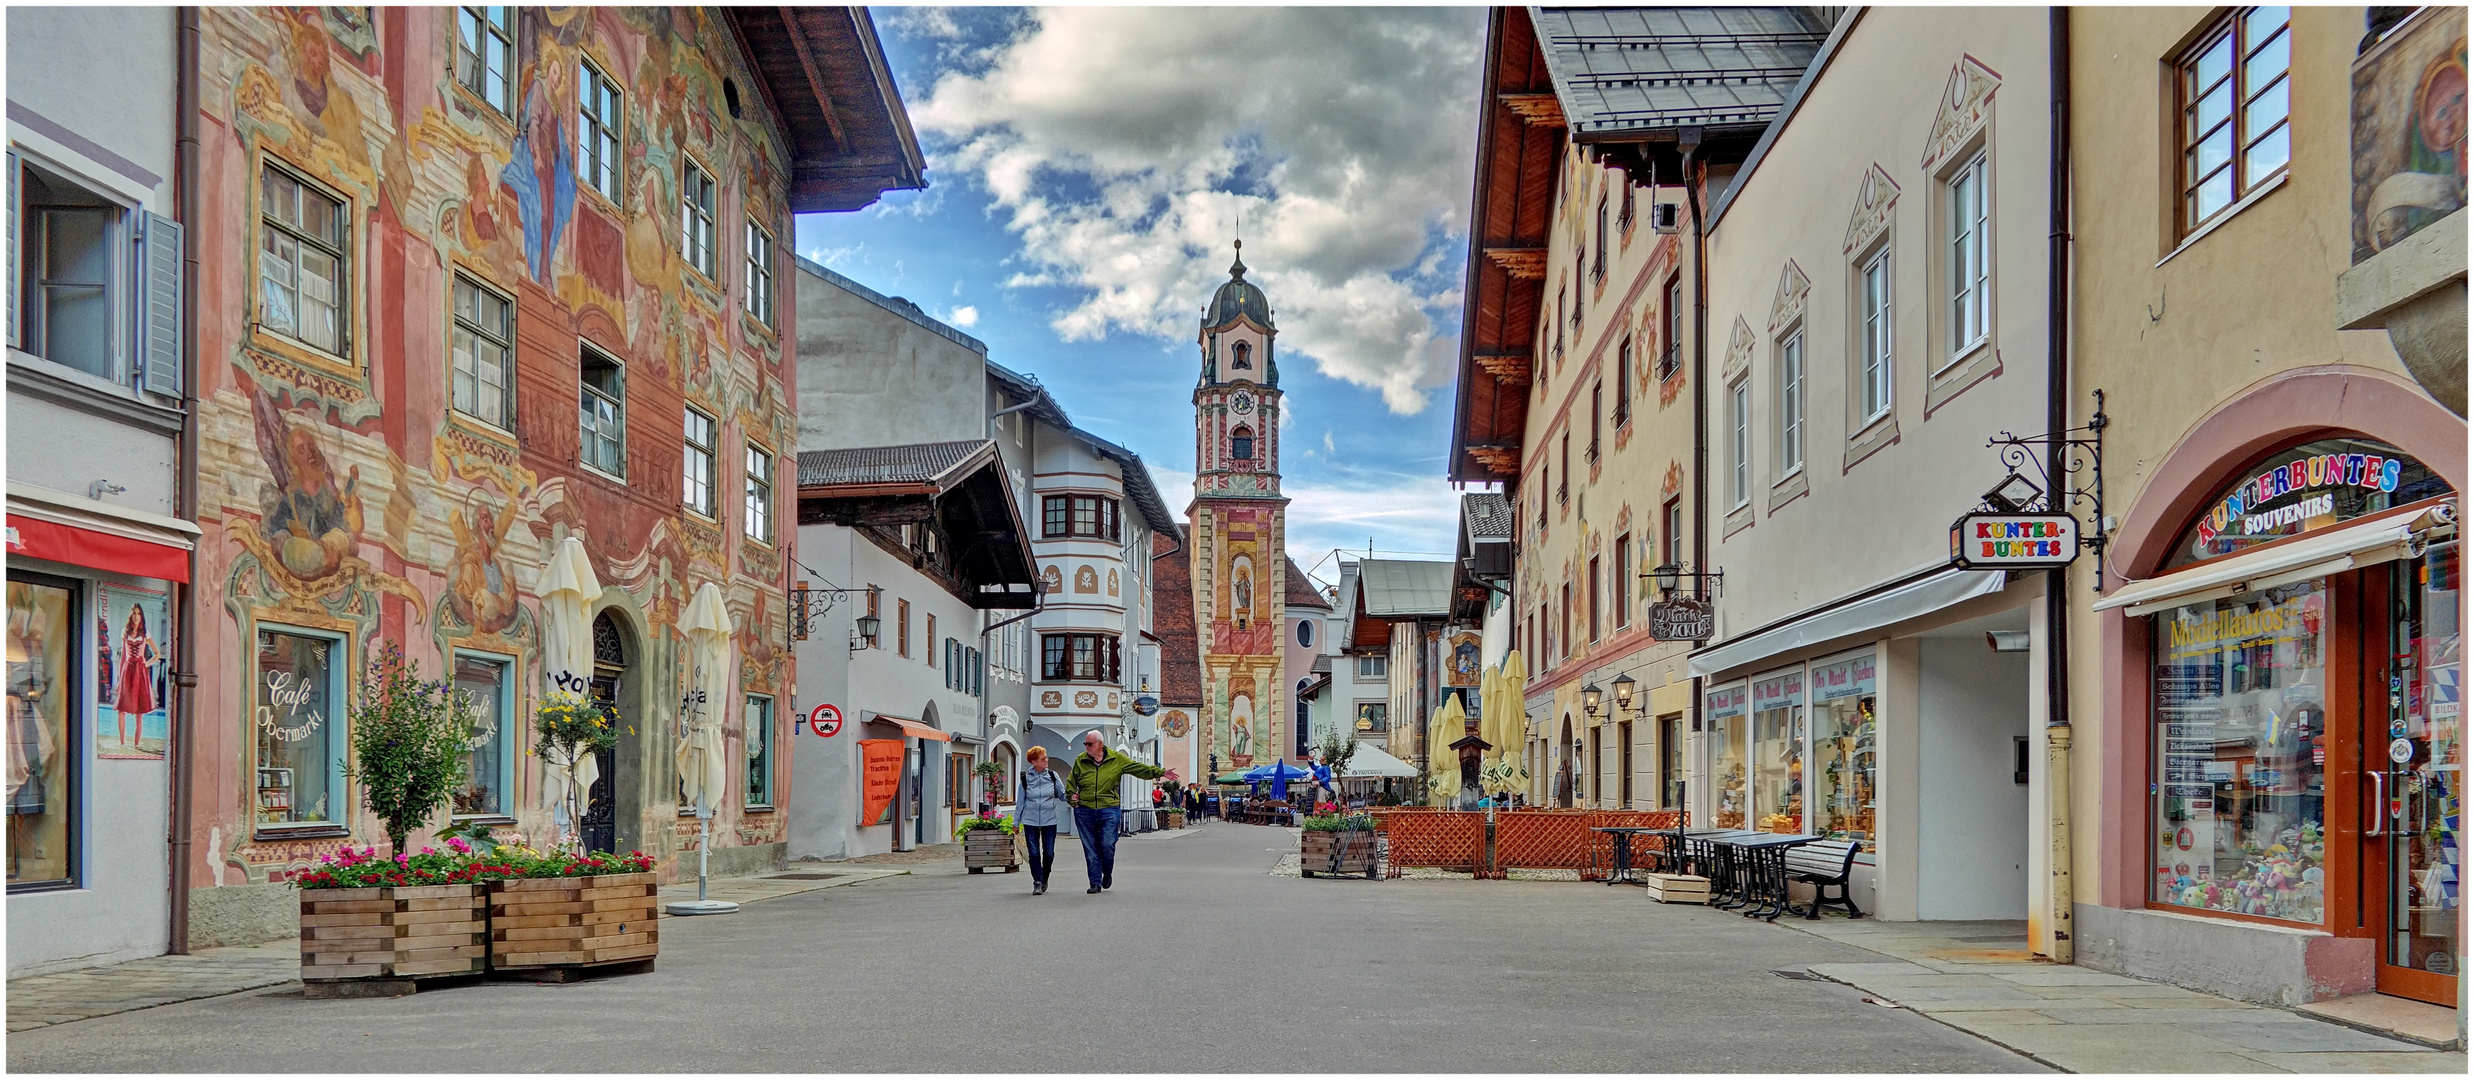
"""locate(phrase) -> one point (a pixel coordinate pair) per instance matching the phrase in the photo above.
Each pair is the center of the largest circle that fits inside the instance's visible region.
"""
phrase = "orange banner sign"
(880, 771)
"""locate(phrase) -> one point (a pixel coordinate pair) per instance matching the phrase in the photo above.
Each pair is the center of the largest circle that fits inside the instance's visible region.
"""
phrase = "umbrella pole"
(704, 849)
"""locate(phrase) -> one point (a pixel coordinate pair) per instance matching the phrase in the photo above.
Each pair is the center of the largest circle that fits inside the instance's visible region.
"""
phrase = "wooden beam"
(1505, 365)
(815, 79)
(1526, 263)
(1540, 110)
(1500, 460)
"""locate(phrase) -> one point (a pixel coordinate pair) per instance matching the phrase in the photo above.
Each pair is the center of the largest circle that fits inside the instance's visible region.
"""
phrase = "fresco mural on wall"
(343, 491)
(2409, 130)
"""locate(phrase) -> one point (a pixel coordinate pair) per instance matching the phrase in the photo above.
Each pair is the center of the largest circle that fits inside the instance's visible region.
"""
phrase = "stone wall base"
(745, 861)
(2273, 965)
(243, 915)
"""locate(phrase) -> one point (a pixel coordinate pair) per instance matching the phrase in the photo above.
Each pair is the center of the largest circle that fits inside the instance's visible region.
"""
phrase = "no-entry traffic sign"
(825, 721)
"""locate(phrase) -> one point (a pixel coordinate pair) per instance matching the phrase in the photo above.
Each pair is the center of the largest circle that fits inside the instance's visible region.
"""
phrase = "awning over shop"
(912, 729)
(44, 524)
(1922, 597)
(1371, 762)
(2312, 555)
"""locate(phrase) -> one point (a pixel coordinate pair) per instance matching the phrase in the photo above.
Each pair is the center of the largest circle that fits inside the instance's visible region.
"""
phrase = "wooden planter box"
(989, 849)
(1677, 888)
(1314, 853)
(558, 929)
(1172, 819)
(376, 942)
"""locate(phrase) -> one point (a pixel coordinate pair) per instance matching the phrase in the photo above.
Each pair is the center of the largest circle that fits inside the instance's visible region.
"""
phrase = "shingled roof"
(1302, 592)
(1172, 621)
(920, 465)
(1486, 515)
(1624, 72)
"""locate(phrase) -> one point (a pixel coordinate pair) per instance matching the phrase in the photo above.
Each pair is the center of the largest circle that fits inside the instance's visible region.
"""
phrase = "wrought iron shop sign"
(1682, 619)
(2004, 541)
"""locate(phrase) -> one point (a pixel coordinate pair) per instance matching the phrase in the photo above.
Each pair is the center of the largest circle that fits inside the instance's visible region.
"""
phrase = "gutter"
(1703, 400)
(182, 752)
(2057, 419)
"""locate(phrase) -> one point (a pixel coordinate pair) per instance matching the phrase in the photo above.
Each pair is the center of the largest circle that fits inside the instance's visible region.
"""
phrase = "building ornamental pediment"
(1739, 350)
(1966, 103)
(1876, 194)
(1787, 308)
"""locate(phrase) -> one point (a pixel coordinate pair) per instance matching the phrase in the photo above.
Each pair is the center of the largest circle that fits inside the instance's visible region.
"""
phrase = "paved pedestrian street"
(1203, 959)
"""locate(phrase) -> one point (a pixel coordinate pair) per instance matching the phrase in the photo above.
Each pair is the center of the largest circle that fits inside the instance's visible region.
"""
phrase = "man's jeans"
(1043, 843)
(1098, 828)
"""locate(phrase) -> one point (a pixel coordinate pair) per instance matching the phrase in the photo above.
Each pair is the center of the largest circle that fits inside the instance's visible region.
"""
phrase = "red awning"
(36, 538)
(912, 729)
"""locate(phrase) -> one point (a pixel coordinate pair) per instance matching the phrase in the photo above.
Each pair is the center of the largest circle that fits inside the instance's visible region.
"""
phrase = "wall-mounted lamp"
(1623, 693)
(1589, 699)
(1670, 577)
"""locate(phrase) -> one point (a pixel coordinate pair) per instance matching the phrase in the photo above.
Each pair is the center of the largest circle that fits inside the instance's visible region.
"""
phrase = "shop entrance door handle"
(2379, 804)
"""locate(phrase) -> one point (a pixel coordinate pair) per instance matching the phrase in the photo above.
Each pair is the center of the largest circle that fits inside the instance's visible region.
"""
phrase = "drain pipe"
(1700, 410)
(2057, 419)
(182, 755)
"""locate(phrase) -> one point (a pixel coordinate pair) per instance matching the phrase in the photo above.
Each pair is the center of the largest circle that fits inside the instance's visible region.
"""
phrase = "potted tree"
(1172, 802)
(373, 926)
(1335, 842)
(557, 916)
(987, 842)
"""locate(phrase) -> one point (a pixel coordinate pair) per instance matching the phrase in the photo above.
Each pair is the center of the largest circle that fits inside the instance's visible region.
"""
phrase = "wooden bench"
(1821, 865)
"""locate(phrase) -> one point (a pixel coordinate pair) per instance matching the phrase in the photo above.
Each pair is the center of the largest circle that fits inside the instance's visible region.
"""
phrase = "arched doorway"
(612, 800)
(1567, 777)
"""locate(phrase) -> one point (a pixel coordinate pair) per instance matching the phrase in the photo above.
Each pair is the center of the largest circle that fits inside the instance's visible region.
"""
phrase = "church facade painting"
(459, 328)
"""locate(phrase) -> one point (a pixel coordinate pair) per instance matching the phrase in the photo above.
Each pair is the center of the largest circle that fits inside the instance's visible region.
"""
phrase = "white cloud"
(964, 316)
(1123, 145)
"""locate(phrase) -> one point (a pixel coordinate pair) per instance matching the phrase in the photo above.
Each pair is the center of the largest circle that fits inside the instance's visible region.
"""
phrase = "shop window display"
(483, 683)
(1726, 755)
(1844, 759)
(1778, 752)
(42, 631)
(2241, 754)
(297, 741)
(2422, 755)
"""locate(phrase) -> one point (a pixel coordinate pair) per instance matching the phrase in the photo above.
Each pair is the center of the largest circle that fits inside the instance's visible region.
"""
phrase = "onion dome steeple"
(1237, 297)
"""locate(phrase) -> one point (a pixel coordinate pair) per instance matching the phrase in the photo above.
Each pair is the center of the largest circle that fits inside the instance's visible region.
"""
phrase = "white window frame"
(759, 299)
(699, 205)
(601, 108)
(1969, 290)
(588, 394)
(1739, 395)
(1791, 404)
(751, 736)
(757, 521)
(468, 336)
(339, 247)
(28, 230)
(1875, 337)
(709, 484)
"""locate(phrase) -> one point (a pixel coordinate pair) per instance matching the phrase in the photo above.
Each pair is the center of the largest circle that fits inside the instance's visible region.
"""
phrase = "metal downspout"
(1700, 422)
(2057, 420)
(185, 652)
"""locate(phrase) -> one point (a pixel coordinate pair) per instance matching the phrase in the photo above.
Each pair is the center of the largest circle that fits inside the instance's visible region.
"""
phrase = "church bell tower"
(1238, 521)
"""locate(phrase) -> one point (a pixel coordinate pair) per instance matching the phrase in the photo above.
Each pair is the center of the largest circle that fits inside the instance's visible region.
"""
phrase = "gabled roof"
(1401, 589)
(1301, 591)
(1172, 621)
(1630, 72)
(1485, 515)
(1137, 476)
(823, 71)
(928, 467)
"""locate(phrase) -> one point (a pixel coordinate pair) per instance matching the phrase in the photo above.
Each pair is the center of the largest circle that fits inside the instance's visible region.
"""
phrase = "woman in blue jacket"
(1039, 806)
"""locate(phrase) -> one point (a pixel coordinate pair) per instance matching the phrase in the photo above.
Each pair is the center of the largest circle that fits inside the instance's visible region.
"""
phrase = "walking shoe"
(1092, 891)
(1108, 881)
(1038, 888)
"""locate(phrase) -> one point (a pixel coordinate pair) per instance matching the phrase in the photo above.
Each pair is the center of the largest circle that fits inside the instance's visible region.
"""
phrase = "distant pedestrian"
(1040, 809)
(1092, 788)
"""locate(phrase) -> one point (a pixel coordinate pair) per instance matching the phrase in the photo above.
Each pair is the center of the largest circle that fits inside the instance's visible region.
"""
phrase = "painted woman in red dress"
(133, 695)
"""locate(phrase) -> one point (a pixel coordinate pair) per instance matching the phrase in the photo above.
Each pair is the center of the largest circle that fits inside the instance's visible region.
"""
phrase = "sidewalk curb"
(2029, 1055)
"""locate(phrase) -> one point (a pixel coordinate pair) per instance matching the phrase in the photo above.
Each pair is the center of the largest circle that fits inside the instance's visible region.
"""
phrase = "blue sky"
(1087, 168)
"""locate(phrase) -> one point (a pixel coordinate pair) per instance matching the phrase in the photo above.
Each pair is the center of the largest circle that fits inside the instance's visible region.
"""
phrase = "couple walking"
(1090, 790)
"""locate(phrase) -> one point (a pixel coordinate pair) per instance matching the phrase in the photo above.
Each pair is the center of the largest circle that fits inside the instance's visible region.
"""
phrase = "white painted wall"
(1971, 814)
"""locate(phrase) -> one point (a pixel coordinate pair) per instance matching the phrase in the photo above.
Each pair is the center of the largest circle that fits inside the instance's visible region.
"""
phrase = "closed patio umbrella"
(1515, 690)
(1442, 765)
(568, 588)
(701, 775)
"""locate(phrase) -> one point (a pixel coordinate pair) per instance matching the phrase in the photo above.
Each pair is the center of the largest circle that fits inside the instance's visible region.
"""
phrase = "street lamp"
(1666, 575)
(1589, 699)
(1623, 692)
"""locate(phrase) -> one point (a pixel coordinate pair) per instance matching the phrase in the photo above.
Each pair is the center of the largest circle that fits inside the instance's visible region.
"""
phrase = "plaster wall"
(1872, 501)
(875, 373)
(55, 56)
(1972, 817)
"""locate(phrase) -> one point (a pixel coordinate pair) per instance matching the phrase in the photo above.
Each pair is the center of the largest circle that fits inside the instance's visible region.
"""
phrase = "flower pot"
(989, 849)
(1356, 852)
(1172, 819)
(377, 942)
(558, 929)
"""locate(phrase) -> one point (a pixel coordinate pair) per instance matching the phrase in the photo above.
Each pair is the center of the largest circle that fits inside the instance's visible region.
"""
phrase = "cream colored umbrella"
(1515, 690)
(707, 625)
(1442, 765)
(701, 776)
(568, 587)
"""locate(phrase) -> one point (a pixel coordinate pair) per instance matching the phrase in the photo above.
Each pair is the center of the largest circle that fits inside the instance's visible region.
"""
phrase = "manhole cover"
(805, 877)
(1799, 976)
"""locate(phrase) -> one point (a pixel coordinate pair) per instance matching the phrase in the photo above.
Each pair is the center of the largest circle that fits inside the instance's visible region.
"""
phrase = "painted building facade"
(469, 320)
(1239, 529)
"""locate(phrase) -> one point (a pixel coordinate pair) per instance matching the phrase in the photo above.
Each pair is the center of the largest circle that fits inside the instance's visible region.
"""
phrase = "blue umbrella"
(1280, 783)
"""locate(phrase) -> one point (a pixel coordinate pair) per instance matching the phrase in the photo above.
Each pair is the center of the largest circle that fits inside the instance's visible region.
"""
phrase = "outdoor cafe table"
(1709, 853)
(1762, 860)
(1623, 851)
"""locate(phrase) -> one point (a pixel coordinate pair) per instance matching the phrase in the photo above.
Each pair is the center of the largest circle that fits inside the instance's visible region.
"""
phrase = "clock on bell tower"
(1238, 523)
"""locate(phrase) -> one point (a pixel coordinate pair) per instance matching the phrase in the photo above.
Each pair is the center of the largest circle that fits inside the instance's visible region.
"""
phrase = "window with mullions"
(759, 521)
(1090, 516)
(757, 733)
(484, 686)
(1970, 286)
(1791, 405)
(2235, 104)
(698, 491)
(1739, 479)
(597, 130)
(1241, 444)
(759, 299)
(1079, 658)
(484, 41)
(604, 411)
(484, 381)
(696, 206)
(301, 262)
(1623, 382)
(1875, 337)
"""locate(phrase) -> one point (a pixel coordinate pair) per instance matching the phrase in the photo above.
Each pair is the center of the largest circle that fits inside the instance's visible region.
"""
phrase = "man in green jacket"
(1092, 788)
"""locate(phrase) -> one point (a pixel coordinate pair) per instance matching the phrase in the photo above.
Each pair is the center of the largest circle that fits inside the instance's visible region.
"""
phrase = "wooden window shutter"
(159, 292)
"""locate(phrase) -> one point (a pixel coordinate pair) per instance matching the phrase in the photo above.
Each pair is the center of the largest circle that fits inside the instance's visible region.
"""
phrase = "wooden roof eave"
(1481, 419)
